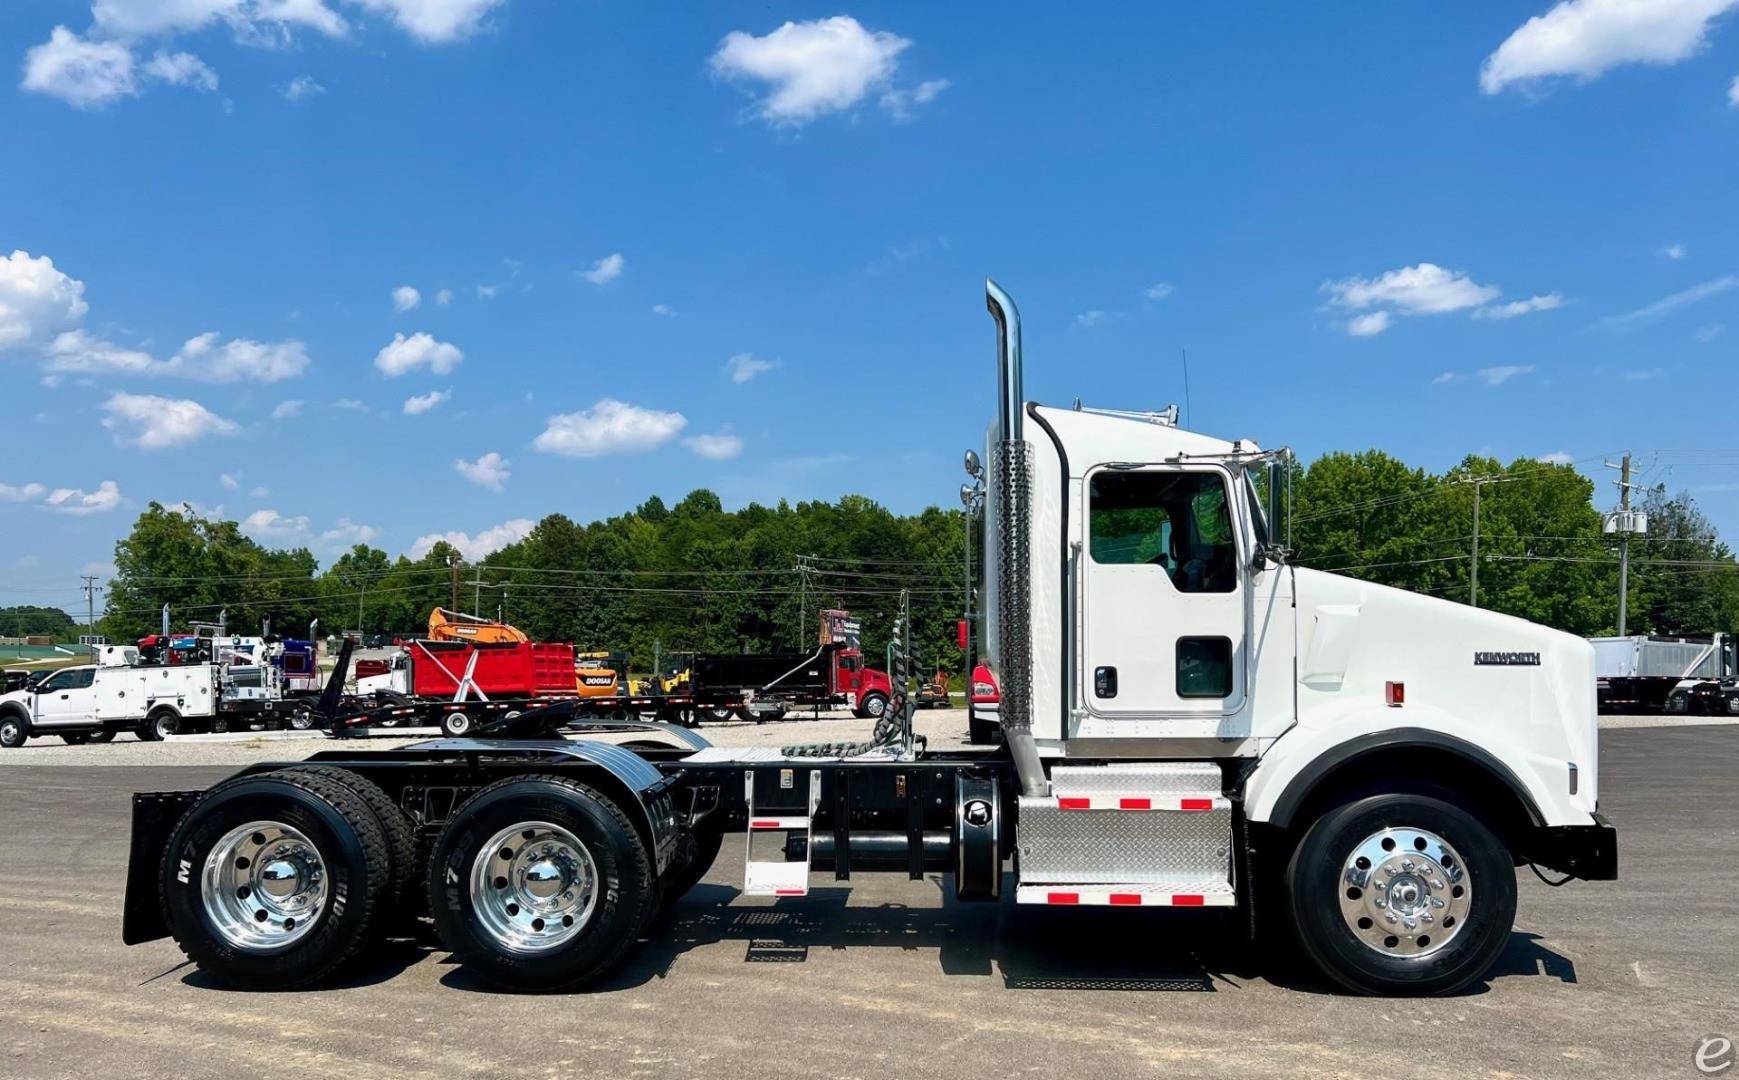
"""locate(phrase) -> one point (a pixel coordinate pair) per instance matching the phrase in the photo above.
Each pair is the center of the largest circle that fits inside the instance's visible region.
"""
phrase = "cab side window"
(1179, 522)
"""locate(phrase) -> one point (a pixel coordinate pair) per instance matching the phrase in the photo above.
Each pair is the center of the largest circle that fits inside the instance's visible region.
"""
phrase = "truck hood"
(1507, 679)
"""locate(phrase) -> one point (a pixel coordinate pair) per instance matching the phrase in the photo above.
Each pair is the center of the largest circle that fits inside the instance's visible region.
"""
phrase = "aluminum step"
(1147, 777)
(781, 876)
(1131, 894)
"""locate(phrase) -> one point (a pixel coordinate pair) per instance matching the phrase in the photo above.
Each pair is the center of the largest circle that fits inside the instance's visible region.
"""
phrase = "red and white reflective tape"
(1111, 896)
(1142, 802)
(779, 823)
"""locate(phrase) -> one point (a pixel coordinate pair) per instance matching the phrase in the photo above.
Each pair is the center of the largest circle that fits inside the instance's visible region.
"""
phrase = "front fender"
(1326, 738)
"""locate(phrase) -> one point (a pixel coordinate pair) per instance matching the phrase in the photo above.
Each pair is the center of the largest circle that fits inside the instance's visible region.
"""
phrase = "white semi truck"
(1190, 720)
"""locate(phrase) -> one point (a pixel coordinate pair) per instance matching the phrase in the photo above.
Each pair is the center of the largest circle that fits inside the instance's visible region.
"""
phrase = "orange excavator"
(445, 625)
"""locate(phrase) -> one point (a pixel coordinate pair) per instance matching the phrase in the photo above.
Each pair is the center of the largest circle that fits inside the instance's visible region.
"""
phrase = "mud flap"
(154, 816)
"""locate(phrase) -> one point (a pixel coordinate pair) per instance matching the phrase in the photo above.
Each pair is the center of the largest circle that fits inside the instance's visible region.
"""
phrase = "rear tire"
(161, 725)
(583, 864)
(326, 850)
(401, 842)
(1463, 874)
(76, 738)
(301, 720)
(102, 736)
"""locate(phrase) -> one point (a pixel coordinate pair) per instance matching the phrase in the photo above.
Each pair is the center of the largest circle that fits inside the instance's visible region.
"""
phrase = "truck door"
(1162, 601)
(65, 697)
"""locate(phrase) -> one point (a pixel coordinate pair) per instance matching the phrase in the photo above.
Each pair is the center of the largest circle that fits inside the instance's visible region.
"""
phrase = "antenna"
(1185, 353)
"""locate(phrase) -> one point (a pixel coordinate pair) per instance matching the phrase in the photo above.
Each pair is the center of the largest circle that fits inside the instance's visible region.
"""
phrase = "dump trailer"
(455, 685)
(1190, 719)
(1661, 674)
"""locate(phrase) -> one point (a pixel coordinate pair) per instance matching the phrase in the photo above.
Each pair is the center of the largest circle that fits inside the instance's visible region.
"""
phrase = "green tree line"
(695, 577)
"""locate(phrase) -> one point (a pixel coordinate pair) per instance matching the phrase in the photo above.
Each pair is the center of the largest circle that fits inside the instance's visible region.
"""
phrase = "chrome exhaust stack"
(1011, 477)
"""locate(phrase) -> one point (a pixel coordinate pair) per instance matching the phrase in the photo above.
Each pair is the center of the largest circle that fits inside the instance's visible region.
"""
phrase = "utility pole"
(90, 603)
(1473, 568)
(453, 562)
(1624, 529)
(802, 596)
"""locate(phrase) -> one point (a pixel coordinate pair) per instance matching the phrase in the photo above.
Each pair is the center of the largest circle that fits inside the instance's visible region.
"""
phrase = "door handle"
(1105, 682)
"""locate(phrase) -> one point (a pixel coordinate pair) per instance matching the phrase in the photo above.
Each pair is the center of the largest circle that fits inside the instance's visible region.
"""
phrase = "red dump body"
(505, 669)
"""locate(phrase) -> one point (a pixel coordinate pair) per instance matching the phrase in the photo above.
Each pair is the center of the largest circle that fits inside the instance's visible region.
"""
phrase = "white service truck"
(94, 702)
(1190, 720)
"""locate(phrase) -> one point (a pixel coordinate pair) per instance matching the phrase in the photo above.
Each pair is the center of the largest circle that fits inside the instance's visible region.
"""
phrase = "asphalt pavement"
(886, 978)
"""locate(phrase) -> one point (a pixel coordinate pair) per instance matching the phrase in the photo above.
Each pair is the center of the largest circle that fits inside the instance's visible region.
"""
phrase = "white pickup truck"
(91, 703)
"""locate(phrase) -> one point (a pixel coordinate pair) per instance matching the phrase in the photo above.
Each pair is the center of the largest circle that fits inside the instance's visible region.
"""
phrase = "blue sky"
(661, 247)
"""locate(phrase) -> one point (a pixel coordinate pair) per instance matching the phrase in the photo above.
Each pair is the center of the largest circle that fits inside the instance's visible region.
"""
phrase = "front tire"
(14, 731)
(539, 882)
(273, 881)
(872, 707)
(1402, 894)
(457, 725)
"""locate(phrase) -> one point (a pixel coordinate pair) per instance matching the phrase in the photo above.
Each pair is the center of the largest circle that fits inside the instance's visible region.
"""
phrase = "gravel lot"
(881, 977)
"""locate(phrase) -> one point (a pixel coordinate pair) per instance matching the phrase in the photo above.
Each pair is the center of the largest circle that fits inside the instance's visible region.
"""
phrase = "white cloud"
(153, 423)
(1369, 324)
(487, 292)
(609, 427)
(665, 310)
(36, 300)
(1556, 457)
(1094, 317)
(252, 21)
(258, 492)
(1446, 377)
(811, 68)
(287, 408)
(1733, 93)
(347, 534)
(1497, 376)
(1676, 251)
(272, 527)
(405, 297)
(605, 270)
(84, 74)
(1159, 291)
(1425, 289)
(200, 358)
(106, 497)
(1586, 38)
(901, 104)
(490, 471)
(406, 354)
(444, 297)
(350, 403)
(301, 88)
(745, 366)
(181, 69)
(422, 403)
(1520, 307)
(1708, 332)
(21, 492)
(229, 482)
(719, 447)
(1667, 305)
(434, 22)
(483, 545)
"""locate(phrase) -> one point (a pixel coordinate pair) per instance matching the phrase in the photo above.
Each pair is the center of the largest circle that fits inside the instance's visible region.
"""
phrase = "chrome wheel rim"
(875, 706)
(264, 886)
(534, 887)
(1405, 892)
(458, 723)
